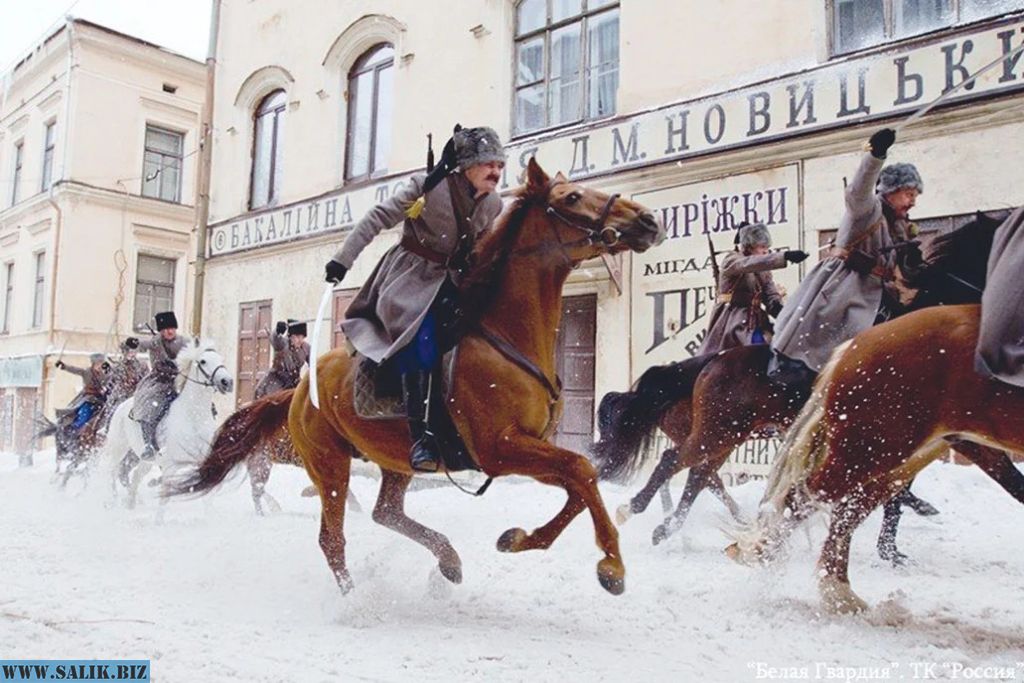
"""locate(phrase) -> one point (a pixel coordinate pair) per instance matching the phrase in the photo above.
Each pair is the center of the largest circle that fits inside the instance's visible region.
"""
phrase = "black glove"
(334, 272)
(774, 308)
(282, 327)
(881, 142)
(912, 256)
(796, 256)
(131, 342)
(59, 364)
(105, 366)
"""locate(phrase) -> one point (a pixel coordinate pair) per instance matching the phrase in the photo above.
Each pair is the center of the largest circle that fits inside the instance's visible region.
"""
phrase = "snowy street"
(216, 593)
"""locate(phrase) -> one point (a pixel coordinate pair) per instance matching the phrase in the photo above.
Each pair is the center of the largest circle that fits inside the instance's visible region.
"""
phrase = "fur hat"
(96, 358)
(296, 327)
(752, 235)
(166, 320)
(898, 176)
(477, 146)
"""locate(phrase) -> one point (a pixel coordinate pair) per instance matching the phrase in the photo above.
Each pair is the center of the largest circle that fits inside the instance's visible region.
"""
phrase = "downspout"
(205, 161)
(59, 223)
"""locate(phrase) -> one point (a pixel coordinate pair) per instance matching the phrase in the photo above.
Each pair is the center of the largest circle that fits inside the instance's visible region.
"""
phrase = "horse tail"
(786, 499)
(244, 431)
(45, 426)
(627, 421)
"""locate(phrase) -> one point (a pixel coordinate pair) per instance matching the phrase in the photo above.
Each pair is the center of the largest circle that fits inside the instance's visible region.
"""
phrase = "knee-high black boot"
(423, 457)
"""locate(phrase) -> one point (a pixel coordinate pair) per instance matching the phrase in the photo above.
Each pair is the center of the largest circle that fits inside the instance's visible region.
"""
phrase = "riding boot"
(149, 438)
(423, 457)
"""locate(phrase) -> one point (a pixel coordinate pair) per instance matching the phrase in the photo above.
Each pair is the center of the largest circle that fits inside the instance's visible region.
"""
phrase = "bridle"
(207, 376)
(595, 231)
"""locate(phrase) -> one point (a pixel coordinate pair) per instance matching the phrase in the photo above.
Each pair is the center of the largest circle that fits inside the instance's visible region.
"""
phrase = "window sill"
(579, 124)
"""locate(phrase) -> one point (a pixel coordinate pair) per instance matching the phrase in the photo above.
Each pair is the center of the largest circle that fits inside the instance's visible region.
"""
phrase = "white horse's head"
(199, 362)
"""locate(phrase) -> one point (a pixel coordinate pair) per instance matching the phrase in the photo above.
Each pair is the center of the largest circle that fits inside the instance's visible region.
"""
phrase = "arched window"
(370, 106)
(267, 146)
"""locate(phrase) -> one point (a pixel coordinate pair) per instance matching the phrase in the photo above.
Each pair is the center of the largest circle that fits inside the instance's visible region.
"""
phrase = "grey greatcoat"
(286, 368)
(389, 309)
(156, 390)
(834, 303)
(744, 285)
(92, 387)
(1001, 338)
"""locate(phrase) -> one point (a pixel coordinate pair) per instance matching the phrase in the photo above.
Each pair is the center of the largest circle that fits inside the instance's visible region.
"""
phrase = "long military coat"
(1001, 338)
(389, 309)
(834, 303)
(156, 390)
(286, 368)
(747, 282)
(92, 387)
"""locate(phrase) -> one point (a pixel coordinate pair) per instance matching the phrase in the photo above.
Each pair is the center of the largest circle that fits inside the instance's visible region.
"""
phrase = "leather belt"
(735, 301)
(411, 244)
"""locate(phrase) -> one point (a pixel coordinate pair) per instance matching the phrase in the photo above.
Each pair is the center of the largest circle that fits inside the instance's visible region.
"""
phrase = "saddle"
(377, 395)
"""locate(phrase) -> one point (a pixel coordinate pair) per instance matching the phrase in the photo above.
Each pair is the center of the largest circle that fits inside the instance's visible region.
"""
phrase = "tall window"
(154, 288)
(857, 24)
(162, 164)
(40, 290)
(8, 296)
(567, 62)
(266, 151)
(370, 105)
(48, 145)
(19, 149)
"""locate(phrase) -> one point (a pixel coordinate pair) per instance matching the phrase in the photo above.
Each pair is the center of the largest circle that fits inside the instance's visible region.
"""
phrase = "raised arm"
(387, 214)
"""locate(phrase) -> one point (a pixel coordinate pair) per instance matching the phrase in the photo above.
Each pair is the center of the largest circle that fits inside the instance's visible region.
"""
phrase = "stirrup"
(425, 465)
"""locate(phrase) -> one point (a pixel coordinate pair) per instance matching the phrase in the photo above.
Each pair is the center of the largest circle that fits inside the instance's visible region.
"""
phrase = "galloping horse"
(185, 433)
(887, 404)
(504, 399)
(709, 405)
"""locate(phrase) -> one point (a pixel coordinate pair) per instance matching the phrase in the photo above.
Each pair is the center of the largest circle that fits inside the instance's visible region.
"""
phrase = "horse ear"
(536, 179)
(560, 178)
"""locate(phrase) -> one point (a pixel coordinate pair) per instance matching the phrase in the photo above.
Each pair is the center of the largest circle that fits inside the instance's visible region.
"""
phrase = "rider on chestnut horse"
(406, 310)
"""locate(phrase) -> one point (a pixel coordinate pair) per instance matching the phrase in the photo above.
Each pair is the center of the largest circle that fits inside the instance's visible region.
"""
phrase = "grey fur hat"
(477, 146)
(753, 235)
(96, 358)
(898, 176)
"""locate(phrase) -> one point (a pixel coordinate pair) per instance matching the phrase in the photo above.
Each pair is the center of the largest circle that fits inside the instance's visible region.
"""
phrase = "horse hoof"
(345, 583)
(660, 534)
(611, 576)
(310, 492)
(511, 540)
(623, 513)
(452, 572)
(838, 598)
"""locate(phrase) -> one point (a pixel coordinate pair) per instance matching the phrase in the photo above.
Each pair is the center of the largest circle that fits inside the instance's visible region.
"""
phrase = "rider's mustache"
(494, 178)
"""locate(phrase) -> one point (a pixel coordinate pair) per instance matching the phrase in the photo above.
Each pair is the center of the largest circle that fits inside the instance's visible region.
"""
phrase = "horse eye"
(572, 197)
(202, 362)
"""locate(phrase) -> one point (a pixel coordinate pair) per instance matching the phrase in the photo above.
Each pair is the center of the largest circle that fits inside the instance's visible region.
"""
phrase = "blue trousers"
(422, 352)
(84, 414)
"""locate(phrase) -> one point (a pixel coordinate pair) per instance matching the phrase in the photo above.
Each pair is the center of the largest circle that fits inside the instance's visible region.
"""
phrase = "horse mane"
(949, 249)
(490, 258)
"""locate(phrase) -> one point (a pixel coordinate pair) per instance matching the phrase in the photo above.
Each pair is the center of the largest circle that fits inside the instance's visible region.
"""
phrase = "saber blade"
(314, 395)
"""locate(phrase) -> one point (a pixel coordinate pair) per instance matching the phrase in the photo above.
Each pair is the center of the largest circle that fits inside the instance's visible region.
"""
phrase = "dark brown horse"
(886, 405)
(709, 405)
(504, 399)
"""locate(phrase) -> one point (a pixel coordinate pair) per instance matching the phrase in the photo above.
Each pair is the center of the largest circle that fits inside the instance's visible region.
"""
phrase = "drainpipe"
(59, 223)
(205, 161)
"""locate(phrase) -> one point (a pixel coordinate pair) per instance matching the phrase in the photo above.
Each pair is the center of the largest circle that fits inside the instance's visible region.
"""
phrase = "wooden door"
(575, 361)
(342, 299)
(254, 327)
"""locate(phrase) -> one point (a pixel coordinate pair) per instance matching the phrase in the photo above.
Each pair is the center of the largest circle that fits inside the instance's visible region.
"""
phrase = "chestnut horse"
(709, 405)
(504, 399)
(887, 404)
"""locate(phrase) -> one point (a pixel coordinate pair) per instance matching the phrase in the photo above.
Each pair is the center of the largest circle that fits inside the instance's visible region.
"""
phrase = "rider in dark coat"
(156, 391)
(397, 312)
(291, 352)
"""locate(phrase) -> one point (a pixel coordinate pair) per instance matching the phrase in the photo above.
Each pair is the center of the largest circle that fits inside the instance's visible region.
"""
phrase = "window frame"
(351, 76)
(889, 36)
(583, 18)
(17, 168)
(273, 189)
(49, 144)
(39, 290)
(138, 325)
(180, 157)
(5, 322)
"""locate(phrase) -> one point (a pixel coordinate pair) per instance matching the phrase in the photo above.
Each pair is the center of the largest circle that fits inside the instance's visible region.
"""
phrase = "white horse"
(186, 431)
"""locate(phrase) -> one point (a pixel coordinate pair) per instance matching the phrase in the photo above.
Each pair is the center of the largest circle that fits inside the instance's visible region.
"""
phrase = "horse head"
(200, 362)
(587, 222)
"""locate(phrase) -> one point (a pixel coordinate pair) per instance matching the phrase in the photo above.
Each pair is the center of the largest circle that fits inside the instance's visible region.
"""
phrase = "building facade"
(97, 226)
(709, 114)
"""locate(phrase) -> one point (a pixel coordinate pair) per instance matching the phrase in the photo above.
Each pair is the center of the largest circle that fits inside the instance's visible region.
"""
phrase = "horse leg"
(893, 510)
(996, 464)
(666, 468)
(666, 498)
(918, 505)
(390, 512)
(717, 487)
(258, 466)
(695, 483)
(527, 455)
(328, 461)
(133, 486)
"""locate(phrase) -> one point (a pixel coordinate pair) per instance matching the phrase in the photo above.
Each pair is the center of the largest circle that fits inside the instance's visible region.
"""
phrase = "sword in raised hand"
(314, 396)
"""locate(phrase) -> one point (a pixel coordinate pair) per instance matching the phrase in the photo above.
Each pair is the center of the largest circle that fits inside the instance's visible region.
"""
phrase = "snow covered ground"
(218, 594)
